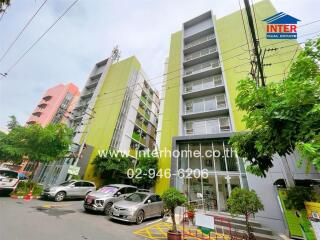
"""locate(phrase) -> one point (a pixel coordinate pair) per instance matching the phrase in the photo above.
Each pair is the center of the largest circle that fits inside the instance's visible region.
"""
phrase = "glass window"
(209, 104)
(199, 127)
(194, 159)
(221, 101)
(189, 107)
(207, 83)
(183, 156)
(188, 87)
(207, 156)
(217, 80)
(224, 124)
(136, 197)
(197, 85)
(130, 190)
(8, 174)
(78, 184)
(198, 105)
(189, 127)
(212, 126)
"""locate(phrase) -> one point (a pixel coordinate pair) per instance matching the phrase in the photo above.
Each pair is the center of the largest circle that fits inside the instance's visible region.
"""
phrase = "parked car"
(69, 189)
(137, 207)
(103, 199)
(8, 179)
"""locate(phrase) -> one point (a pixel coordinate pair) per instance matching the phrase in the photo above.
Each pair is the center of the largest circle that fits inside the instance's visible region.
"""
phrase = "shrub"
(24, 188)
(296, 196)
(172, 198)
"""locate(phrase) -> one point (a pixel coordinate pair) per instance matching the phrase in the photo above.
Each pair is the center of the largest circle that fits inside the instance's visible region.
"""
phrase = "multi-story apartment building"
(206, 60)
(117, 110)
(55, 105)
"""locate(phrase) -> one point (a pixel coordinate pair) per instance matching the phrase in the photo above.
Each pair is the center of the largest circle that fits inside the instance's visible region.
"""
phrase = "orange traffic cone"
(28, 196)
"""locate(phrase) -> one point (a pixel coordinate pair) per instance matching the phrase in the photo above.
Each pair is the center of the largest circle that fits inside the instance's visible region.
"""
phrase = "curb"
(23, 197)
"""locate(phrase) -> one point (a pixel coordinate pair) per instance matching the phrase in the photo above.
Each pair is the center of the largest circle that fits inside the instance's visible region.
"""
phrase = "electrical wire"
(22, 30)
(42, 35)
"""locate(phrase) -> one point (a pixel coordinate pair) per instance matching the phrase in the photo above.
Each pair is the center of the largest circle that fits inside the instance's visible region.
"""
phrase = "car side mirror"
(72, 185)
(149, 201)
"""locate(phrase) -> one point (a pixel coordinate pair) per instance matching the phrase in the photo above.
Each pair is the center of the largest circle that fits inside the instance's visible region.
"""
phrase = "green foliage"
(39, 144)
(244, 202)
(172, 198)
(112, 166)
(282, 116)
(13, 123)
(145, 163)
(4, 4)
(24, 188)
(296, 196)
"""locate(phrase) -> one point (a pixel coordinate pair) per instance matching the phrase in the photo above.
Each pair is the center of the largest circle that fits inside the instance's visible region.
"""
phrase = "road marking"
(150, 223)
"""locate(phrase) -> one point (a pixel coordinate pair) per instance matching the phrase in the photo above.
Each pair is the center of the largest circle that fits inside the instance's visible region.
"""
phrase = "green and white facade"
(207, 58)
(117, 110)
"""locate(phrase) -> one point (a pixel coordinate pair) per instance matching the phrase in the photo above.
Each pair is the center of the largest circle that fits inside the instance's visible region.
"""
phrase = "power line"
(22, 30)
(29, 49)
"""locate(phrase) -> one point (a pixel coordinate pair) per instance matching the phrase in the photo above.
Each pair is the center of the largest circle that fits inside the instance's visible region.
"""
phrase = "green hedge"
(294, 222)
(24, 188)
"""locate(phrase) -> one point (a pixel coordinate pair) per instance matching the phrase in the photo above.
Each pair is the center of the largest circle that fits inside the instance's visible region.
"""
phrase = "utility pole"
(257, 50)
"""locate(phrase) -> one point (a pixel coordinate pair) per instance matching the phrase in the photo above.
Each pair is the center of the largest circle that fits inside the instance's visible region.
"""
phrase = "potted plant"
(172, 198)
(190, 211)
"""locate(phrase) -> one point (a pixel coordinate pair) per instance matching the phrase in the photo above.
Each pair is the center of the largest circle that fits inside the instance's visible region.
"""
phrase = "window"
(209, 104)
(87, 184)
(217, 80)
(154, 198)
(224, 124)
(199, 127)
(78, 184)
(197, 105)
(212, 126)
(189, 107)
(130, 190)
(221, 101)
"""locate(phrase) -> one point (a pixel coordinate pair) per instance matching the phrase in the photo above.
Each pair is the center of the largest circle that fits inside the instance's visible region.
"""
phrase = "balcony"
(133, 152)
(37, 113)
(202, 70)
(141, 125)
(88, 94)
(138, 138)
(207, 126)
(205, 107)
(199, 43)
(92, 84)
(47, 98)
(203, 87)
(201, 56)
(42, 105)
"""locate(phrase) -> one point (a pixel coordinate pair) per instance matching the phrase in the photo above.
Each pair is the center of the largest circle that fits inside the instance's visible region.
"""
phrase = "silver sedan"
(137, 207)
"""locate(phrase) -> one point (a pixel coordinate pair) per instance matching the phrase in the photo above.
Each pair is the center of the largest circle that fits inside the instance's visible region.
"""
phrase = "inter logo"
(281, 26)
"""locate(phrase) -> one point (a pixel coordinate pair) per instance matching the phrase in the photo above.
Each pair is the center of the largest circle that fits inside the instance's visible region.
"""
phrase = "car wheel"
(140, 217)
(59, 196)
(107, 209)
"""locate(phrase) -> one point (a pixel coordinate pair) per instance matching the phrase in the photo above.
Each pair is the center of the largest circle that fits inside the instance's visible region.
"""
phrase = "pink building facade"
(55, 105)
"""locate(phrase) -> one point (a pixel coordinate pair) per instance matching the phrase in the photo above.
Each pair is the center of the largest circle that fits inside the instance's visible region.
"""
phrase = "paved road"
(46, 220)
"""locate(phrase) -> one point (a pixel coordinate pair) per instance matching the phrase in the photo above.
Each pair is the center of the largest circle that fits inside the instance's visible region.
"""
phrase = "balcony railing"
(141, 125)
(201, 68)
(200, 53)
(199, 41)
(205, 104)
(203, 84)
(136, 136)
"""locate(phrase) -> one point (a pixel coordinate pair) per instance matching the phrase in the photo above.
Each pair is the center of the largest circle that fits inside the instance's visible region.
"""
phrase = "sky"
(87, 35)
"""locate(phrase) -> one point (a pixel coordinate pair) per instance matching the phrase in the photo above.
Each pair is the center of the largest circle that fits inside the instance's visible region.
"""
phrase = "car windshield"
(66, 183)
(8, 174)
(136, 197)
(108, 189)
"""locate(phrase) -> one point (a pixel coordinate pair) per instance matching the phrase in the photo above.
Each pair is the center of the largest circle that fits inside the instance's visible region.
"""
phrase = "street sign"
(73, 170)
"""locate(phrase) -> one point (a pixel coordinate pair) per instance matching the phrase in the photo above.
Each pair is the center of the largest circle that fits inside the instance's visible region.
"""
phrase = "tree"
(4, 4)
(296, 196)
(244, 202)
(13, 123)
(37, 143)
(112, 166)
(282, 116)
(149, 168)
(172, 198)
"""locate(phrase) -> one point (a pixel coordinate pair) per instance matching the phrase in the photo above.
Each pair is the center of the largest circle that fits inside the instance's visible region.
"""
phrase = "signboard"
(73, 170)
(203, 220)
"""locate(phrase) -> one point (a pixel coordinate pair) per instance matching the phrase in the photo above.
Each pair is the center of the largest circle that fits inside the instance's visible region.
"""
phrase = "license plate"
(116, 213)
